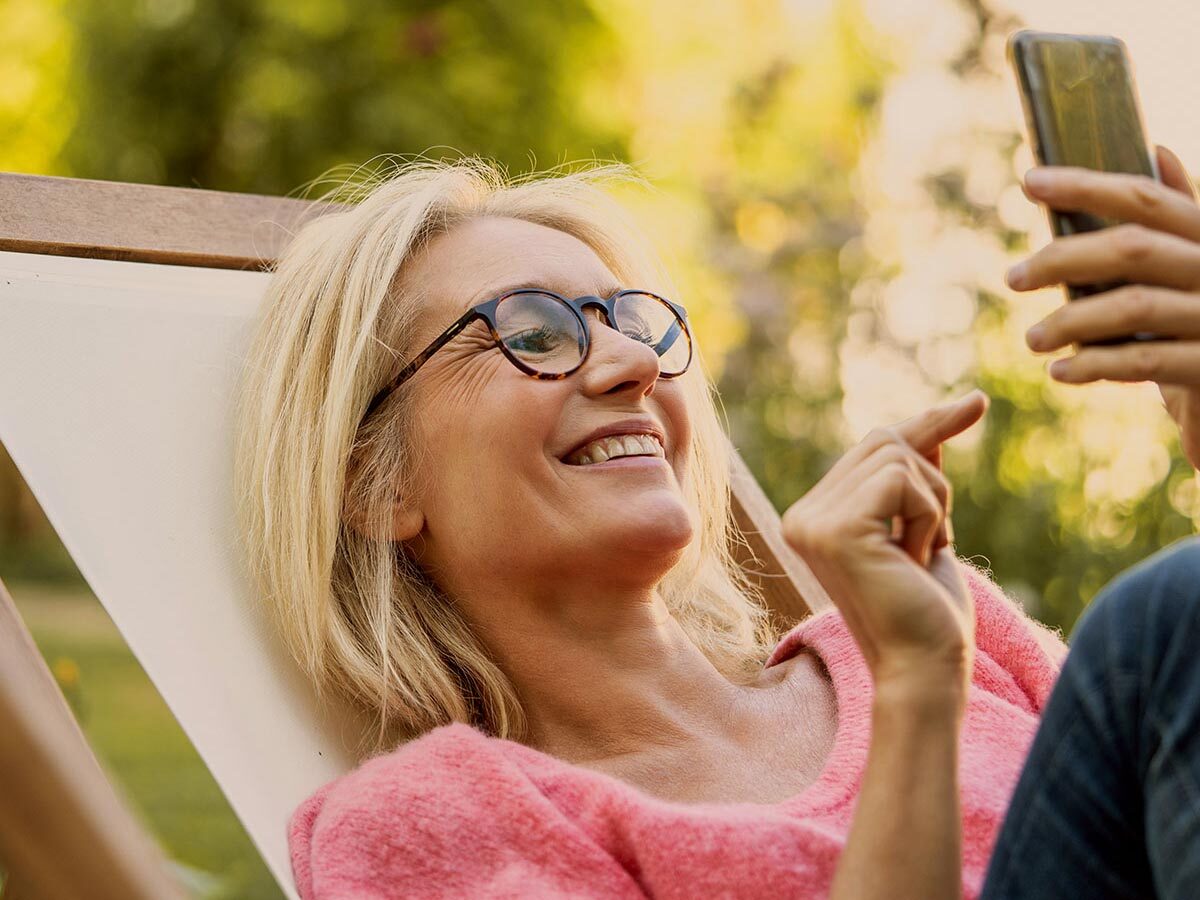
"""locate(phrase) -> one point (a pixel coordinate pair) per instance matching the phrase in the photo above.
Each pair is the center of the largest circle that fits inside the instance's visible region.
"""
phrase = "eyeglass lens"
(546, 335)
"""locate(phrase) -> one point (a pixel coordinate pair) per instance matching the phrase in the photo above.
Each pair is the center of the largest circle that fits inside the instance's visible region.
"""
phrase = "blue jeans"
(1108, 804)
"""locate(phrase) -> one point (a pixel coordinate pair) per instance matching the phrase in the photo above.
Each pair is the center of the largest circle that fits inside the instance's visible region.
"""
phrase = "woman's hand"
(902, 597)
(906, 604)
(1157, 252)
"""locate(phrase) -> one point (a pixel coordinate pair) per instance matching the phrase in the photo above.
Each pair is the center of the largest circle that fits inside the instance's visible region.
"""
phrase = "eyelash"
(534, 333)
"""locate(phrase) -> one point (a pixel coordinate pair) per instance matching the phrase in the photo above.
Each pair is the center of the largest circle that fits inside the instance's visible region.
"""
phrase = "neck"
(605, 672)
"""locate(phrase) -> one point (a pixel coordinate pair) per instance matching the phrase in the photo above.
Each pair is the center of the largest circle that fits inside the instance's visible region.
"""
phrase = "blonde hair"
(356, 612)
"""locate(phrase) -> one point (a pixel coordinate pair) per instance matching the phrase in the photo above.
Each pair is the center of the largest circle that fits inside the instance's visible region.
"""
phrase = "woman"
(474, 501)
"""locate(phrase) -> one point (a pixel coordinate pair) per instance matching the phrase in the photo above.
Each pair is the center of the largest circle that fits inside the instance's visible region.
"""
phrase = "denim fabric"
(1108, 804)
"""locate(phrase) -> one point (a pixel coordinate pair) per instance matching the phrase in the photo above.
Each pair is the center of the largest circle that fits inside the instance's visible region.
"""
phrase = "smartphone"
(1081, 109)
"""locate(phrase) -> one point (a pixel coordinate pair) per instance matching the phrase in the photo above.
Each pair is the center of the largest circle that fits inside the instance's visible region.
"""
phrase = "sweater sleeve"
(443, 817)
(1017, 658)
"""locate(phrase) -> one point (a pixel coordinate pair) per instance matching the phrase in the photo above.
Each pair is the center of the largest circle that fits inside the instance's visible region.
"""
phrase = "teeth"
(617, 446)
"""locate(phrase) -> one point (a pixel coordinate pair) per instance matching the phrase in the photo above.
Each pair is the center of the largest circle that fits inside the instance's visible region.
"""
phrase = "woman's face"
(502, 494)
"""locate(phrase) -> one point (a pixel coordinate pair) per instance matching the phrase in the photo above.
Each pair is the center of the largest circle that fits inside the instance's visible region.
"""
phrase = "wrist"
(928, 692)
(922, 670)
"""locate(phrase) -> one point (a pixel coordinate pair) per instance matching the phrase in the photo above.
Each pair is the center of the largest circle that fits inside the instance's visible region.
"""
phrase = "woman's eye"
(638, 328)
(639, 331)
(533, 340)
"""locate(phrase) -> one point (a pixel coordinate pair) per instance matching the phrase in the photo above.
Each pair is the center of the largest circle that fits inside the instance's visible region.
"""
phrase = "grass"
(143, 749)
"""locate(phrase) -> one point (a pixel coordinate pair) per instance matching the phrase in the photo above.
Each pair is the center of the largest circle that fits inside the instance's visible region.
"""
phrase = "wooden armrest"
(787, 583)
(146, 222)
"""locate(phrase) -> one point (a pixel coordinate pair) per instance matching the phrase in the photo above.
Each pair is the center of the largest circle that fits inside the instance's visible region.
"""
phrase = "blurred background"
(835, 190)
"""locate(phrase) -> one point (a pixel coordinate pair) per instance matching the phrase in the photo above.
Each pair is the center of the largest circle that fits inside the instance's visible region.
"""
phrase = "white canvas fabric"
(116, 383)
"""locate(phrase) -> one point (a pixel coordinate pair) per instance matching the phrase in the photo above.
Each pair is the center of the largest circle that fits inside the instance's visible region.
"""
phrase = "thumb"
(1174, 174)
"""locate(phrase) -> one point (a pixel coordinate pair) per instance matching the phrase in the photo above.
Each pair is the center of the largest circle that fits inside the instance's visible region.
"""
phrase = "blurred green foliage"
(753, 119)
(261, 97)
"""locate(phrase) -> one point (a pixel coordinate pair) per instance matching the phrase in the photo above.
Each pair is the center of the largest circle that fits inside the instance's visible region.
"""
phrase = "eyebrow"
(605, 291)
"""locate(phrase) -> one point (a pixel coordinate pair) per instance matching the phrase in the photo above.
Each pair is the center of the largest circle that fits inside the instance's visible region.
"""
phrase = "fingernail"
(1037, 179)
(1035, 337)
(1059, 368)
(949, 530)
(1018, 275)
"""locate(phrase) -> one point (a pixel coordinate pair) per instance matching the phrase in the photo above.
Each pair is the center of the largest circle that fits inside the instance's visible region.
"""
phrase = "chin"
(653, 523)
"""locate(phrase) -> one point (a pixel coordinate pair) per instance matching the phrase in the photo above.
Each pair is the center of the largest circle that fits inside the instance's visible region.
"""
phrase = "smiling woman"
(347, 514)
(485, 491)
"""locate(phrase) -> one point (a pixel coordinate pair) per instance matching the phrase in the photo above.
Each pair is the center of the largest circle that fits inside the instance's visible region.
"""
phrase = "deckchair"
(124, 313)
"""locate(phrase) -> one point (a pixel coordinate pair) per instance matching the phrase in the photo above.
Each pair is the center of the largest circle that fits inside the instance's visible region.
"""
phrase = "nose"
(616, 362)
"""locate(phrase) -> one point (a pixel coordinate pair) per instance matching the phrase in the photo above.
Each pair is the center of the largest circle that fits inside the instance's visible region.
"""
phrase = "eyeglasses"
(545, 335)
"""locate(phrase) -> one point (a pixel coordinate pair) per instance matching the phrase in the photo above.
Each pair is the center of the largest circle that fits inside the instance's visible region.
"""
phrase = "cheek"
(677, 411)
(485, 444)
(677, 418)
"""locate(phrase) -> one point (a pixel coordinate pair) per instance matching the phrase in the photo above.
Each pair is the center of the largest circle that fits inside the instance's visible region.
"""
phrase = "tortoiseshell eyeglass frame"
(578, 306)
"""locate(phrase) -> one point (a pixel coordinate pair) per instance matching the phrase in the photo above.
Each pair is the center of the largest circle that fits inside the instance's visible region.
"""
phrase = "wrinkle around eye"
(460, 369)
(464, 378)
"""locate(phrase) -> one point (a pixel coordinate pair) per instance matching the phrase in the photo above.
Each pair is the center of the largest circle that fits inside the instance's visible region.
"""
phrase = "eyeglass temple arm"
(423, 357)
(669, 338)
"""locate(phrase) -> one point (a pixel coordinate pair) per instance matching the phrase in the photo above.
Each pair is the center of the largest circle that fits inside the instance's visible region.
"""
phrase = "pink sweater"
(457, 813)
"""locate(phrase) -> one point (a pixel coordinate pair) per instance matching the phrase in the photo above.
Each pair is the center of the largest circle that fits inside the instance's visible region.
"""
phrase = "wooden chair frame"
(64, 831)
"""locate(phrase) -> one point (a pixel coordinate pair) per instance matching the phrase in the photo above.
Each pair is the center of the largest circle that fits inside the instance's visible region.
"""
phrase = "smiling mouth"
(615, 447)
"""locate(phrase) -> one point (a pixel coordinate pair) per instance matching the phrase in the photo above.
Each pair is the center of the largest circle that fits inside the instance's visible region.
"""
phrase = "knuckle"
(827, 542)
(892, 434)
(918, 468)
(797, 533)
(800, 539)
(922, 468)
(1145, 364)
(921, 488)
(794, 521)
(1147, 192)
(936, 494)
(1136, 305)
(1133, 242)
(933, 502)
(896, 472)
(941, 487)
(878, 437)
(890, 453)
(810, 533)
(815, 539)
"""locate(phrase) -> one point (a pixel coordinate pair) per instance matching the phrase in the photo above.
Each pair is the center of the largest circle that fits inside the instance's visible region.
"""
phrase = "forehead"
(483, 257)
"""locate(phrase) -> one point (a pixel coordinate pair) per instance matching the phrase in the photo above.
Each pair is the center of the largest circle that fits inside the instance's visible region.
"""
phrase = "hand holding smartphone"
(1142, 277)
(1081, 109)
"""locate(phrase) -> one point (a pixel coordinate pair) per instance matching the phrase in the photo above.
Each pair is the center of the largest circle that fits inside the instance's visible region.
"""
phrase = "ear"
(406, 523)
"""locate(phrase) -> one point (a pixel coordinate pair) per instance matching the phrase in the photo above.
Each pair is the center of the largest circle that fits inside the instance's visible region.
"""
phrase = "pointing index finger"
(926, 431)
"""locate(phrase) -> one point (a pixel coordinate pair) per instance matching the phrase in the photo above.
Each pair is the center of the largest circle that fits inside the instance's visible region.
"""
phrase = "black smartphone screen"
(1081, 109)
